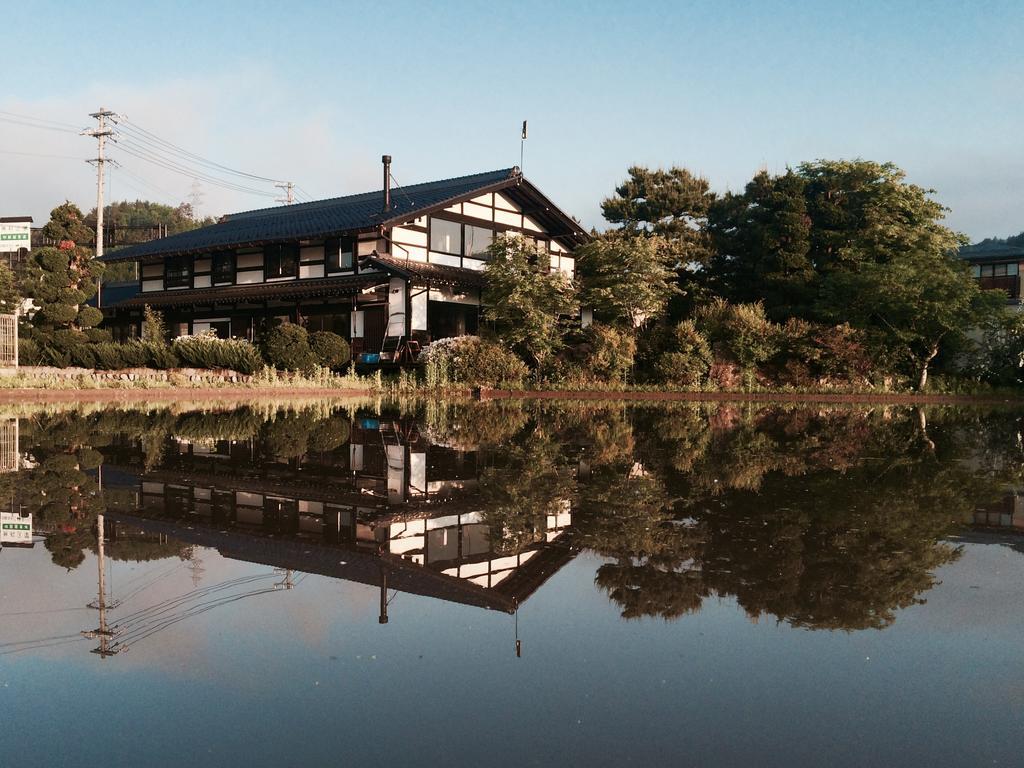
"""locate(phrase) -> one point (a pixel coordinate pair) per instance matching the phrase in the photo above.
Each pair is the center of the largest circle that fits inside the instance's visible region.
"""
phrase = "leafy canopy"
(626, 278)
(525, 301)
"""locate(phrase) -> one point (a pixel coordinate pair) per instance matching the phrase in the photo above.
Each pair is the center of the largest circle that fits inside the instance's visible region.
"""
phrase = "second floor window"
(178, 272)
(223, 268)
(281, 261)
(478, 240)
(997, 270)
(445, 236)
(338, 253)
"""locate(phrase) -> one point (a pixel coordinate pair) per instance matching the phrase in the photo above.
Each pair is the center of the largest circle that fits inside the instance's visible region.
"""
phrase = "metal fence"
(8, 341)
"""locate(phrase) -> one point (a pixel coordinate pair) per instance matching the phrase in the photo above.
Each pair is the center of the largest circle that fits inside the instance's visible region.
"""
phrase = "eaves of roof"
(328, 286)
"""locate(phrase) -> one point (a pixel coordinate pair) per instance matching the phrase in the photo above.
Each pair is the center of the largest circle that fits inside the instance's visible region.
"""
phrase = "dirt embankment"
(870, 398)
(172, 394)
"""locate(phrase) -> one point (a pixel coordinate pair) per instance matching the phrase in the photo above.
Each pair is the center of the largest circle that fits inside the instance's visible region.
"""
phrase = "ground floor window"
(446, 319)
(337, 322)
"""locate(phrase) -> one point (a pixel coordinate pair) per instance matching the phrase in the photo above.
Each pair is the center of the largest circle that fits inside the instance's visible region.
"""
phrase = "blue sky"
(317, 91)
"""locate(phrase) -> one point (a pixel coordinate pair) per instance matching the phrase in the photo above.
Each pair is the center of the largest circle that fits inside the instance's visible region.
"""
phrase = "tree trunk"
(922, 382)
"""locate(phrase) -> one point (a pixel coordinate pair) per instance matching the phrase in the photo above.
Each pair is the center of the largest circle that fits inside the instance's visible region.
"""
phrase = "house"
(995, 264)
(389, 270)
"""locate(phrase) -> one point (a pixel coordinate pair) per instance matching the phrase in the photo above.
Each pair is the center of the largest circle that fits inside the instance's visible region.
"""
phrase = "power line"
(190, 173)
(155, 150)
(36, 125)
(70, 126)
(38, 154)
(131, 125)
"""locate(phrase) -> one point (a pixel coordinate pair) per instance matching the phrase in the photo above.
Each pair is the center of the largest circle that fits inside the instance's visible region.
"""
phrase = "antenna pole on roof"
(522, 147)
(289, 192)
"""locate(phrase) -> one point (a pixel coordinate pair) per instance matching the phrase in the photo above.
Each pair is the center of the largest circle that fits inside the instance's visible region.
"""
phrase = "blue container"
(370, 358)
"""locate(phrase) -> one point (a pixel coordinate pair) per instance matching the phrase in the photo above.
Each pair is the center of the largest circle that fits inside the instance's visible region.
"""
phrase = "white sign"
(15, 529)
(14, 236)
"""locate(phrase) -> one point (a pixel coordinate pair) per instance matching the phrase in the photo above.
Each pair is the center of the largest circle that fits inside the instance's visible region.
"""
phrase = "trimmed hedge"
(329, 349)
(208, 351)
(286, 346)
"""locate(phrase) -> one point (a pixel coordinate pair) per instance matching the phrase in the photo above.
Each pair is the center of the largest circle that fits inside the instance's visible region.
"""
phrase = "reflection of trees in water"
(821, 517)
(527, 482)
(831, 519)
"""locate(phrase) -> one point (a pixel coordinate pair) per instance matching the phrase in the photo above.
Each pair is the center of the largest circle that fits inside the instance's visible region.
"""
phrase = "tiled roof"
(321, 218)
(431, 273)
(991, 251)
(115, 293)
(328, 286)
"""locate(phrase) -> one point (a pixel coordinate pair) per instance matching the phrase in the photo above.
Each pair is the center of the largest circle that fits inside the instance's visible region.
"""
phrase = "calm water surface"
(496, 584)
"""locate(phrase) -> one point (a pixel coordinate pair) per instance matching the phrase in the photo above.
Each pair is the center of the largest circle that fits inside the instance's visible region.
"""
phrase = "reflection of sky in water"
(309, 676)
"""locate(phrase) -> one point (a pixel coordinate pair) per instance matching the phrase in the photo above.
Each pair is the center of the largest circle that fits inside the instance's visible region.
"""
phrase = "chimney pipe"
(386, 159)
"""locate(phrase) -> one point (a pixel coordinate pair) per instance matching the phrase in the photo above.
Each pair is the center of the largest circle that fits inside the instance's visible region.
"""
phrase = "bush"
(207, 351)
(89, 317)
(471, 361)
(29, 352)
(108, 356)
(160, 354)
(687, 359)
(811, 354)
(83, 355)
(740, 331)
(329, 349)
(97, 335)
(286, 347)
(609, 352)
(154, 328)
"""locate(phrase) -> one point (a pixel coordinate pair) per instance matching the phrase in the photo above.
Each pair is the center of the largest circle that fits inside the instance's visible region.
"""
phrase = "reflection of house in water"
(405, 514)
(1001, 522)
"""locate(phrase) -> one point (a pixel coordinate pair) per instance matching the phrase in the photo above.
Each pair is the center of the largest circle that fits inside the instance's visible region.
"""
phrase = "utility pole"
(100, 133)
(289, 192)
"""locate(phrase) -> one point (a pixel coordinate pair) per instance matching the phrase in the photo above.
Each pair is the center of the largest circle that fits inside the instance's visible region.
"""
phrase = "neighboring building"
(388, 270)
(996, 265)
(15, 238)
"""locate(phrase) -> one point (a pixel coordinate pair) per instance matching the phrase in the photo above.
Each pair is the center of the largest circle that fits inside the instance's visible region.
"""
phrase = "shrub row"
(288, 347)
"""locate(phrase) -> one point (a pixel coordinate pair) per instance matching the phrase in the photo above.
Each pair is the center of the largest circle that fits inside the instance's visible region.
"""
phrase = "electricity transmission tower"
(289, 192)
(196, 197)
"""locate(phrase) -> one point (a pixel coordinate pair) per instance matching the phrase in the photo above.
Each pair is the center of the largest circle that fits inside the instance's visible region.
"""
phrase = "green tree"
(762, 245)
(672, 203)
(60, 281)
(525, 300)
(626, 278)
(912, 303)
(10, 296)
(67, 225)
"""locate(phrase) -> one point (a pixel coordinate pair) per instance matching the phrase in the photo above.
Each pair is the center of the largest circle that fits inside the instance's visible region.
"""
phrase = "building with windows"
(996, 265)
(389, 270)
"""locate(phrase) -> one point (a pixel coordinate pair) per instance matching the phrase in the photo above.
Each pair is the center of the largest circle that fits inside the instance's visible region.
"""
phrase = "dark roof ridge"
(396, 195)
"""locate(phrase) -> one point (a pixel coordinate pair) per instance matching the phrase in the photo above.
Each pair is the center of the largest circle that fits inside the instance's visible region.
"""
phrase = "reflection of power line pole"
(102, 632)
